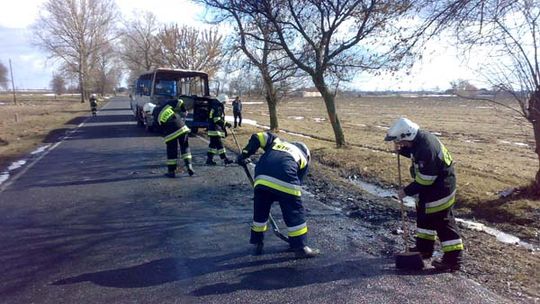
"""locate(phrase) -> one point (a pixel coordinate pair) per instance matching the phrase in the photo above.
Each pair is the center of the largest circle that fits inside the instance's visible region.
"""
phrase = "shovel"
(273, 223)
(406, 260)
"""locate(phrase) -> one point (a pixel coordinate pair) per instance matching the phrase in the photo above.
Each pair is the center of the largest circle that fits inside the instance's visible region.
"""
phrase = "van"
(162, 84)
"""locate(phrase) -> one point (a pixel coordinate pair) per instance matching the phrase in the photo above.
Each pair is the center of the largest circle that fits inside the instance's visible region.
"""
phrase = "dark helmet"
(303, 148)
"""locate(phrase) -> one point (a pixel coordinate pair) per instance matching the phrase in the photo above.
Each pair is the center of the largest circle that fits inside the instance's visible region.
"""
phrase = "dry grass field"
(492, 148)
(33, 120)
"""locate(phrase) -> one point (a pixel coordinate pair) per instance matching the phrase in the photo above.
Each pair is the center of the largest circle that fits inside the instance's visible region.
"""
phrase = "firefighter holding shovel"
(435, 184)
(278, 177)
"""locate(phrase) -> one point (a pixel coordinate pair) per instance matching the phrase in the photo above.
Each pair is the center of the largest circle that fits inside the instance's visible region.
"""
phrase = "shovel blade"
(409, 261)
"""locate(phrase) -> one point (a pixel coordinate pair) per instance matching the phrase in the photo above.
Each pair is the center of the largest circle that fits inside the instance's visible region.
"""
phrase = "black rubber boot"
(190, 169)
(210, 162)
(170, 174)
(306, 253)
(258, 249)
(227, 161)
(445, 265)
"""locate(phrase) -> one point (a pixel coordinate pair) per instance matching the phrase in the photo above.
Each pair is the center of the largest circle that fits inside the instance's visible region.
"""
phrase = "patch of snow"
(2, 103)
(48, 94)
(17, 164)
(381, 127)
(317, 119)
(437, 133)
(295, 117)
(296, 134)
(484, 107)
(3, 177)
(252, 102)
(40, 149)
(521, 144)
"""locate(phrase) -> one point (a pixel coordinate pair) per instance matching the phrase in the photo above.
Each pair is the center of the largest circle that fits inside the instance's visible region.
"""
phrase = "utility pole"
(12, 83)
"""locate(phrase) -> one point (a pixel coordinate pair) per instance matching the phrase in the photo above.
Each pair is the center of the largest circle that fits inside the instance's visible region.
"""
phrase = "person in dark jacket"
(435, 184)
(237, 111)
(93, 104)
(278, 177)
(216, 131)
(171, 119)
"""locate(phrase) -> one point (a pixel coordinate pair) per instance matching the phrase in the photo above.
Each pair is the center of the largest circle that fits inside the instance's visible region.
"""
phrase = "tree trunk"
(534, 118)
(271, 100)
(81, 86)
(329, 101)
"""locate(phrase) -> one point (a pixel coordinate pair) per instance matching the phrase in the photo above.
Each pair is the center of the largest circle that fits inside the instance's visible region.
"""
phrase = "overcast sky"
(32, 70)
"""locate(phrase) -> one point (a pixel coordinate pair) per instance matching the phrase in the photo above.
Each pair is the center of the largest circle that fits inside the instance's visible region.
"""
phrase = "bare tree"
(58, 84)
(4, 79)
(253, 37)
(139, 44)
(329, 40)
(73, 31)
(105, 71)
(510, 32)
(188, 48)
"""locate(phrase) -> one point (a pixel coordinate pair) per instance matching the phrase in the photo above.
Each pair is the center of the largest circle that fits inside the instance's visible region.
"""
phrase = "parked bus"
(162, 84)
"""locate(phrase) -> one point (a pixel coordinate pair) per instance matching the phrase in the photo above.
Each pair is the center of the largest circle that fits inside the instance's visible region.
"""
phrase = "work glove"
(227, 124)
(242, 160)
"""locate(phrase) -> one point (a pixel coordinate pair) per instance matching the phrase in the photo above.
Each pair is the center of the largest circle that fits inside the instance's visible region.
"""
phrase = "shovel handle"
(402, 206)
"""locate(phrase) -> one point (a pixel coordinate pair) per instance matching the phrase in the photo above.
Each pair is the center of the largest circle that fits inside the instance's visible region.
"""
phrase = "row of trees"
(93, 46)
(327, 42)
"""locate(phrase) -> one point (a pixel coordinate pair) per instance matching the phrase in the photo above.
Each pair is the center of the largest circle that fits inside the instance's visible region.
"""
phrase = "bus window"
(165, 88)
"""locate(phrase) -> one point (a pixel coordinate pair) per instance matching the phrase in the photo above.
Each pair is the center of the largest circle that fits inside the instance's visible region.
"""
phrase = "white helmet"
(303, 148)
(402, 129)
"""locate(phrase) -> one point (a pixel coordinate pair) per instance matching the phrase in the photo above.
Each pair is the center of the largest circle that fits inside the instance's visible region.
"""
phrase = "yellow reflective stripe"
(426, 236)
(186, 156)
(171, 162)
(177, 134)
(165, 114)
(216, 133)
(444, 154)
(212, 151)
(222, 151)
(441, 204)
(216, 119)
(297, 230)
(293, 150)
(276, 184)
(211, 113)
(452, 245)
(259, 227)
(423, 179)
(262, 138)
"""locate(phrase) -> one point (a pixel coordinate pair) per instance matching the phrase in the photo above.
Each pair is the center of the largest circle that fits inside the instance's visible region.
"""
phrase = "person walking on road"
(435, 183)
(216, 131)
(237, 111)
(93, 104)
(278, 177)
(171, 118)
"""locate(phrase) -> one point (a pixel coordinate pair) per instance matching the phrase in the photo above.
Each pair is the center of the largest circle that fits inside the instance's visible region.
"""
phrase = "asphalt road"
(93, 220)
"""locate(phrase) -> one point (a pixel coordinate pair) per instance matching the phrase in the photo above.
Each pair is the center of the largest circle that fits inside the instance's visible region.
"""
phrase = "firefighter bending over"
(216, 131)
(435, 183)
(171, 119)
(278, 177)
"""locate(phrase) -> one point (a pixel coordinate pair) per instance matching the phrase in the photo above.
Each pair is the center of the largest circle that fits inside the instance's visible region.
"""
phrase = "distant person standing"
(237, 111)
(93, 104)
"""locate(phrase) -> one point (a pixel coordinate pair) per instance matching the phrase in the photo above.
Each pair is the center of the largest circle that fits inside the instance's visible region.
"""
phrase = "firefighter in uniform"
(278, 176)
(171, 119)
(216, 131)
(435, 184)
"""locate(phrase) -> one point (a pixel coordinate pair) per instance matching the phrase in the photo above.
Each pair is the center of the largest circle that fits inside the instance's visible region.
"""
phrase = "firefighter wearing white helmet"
(435, 184)
(278, 177)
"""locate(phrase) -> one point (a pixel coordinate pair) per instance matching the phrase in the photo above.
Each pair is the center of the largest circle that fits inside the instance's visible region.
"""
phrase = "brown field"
(33, 120)
(487, 144)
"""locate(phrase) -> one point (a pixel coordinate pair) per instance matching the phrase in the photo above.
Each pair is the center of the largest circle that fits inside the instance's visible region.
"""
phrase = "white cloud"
(19, 13)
